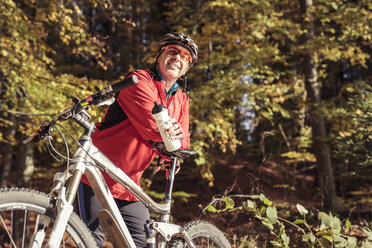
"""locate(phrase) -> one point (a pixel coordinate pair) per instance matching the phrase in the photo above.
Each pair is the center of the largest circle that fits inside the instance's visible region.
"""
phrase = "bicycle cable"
(76, 141)
(55, 151)
(68, 159)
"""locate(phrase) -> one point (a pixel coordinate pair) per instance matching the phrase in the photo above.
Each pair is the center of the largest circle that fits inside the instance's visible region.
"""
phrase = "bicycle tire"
(21, 208)
(203, 234)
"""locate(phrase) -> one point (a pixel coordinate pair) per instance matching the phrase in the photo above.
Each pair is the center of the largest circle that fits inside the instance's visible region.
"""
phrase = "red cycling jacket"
(124, 133)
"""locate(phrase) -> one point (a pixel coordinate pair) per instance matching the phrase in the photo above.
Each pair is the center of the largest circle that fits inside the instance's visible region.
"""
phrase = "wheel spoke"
(11, 228)
(64, 241)
(24, 228)
(6, 229)
(36, 223)
(27, 217)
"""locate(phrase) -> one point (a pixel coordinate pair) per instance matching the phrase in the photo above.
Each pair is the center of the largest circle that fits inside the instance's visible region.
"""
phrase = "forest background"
(280, 99)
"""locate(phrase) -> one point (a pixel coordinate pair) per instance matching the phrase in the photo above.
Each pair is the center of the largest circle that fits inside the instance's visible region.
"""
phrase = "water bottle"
(160, 114)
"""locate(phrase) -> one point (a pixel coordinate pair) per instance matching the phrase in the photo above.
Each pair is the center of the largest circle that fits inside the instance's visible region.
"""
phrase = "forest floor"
(241, 177)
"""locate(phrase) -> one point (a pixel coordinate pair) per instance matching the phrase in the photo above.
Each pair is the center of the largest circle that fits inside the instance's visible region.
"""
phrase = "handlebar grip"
(187, 152)
(28, 139)
(124, 84)
(35, 138)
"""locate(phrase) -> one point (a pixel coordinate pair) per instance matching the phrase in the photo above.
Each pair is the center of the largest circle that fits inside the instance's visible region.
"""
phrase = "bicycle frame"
(89, 160)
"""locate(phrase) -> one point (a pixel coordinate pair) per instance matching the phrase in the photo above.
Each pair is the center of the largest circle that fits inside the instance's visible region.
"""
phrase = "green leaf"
(368, 232)
(303, 211)
(267, 202)
(327, 237)
(336, 225)
(275, 243)
(272, 214)
(308, 237)
(366, 243)
(351, 242)
(262, 210)
(229, 202)
(212, 209)
(268, 225)
(299, 221)
(324, 241)
(251, 204)
(340, 242)
(264, 199)
(255, 196)
(348, 225)
(325, 220)
(285, 239)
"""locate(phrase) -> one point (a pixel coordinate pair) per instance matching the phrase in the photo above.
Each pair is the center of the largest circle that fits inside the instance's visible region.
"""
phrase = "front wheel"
(203, 234)
(20, 214)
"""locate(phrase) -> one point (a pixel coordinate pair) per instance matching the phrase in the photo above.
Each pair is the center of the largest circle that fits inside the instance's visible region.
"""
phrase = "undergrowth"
(319, 229)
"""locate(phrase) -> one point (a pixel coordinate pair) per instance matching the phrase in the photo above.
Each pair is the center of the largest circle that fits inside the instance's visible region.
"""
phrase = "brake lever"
(107, 102)
(42, 133)
(29, 139)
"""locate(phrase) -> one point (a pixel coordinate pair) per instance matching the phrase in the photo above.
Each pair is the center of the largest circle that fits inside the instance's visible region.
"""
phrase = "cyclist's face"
(173, 62)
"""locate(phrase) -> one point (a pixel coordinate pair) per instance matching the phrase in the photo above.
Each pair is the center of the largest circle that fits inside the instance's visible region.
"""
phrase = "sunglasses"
(172, 50)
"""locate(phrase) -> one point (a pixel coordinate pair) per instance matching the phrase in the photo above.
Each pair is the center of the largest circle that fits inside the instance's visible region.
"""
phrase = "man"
(128, 131)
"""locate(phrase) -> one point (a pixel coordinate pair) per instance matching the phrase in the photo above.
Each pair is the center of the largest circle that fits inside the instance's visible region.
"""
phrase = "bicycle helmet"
(180, 39)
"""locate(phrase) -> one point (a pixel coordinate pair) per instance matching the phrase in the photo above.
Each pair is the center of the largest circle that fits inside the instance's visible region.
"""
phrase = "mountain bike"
(29, 218)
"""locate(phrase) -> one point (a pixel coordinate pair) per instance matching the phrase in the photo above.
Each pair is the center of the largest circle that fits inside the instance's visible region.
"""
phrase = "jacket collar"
(155, 74)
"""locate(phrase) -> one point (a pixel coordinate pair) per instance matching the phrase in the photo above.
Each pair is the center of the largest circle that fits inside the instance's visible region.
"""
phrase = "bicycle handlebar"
(40, 134)
(124, 84)
(109, 91)
(79, 105)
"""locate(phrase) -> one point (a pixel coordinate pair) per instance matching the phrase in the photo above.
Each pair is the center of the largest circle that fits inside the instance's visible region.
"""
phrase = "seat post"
(171, 176)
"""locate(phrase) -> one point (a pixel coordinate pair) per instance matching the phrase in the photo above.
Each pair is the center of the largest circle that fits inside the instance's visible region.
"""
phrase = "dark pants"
(134, 214)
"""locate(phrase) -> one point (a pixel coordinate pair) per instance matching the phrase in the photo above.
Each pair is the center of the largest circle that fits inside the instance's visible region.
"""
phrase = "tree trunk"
(321, 149)
(8, 153)
(25, 164)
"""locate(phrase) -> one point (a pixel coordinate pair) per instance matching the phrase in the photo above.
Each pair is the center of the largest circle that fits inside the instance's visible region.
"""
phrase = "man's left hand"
(175, 131)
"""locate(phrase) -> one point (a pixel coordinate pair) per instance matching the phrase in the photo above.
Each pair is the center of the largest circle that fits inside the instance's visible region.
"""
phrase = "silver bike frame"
(89, 160)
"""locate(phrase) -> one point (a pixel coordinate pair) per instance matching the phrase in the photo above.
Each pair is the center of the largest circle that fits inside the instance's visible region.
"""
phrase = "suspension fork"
(64, 198)
(64, 202)
(81, 154)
